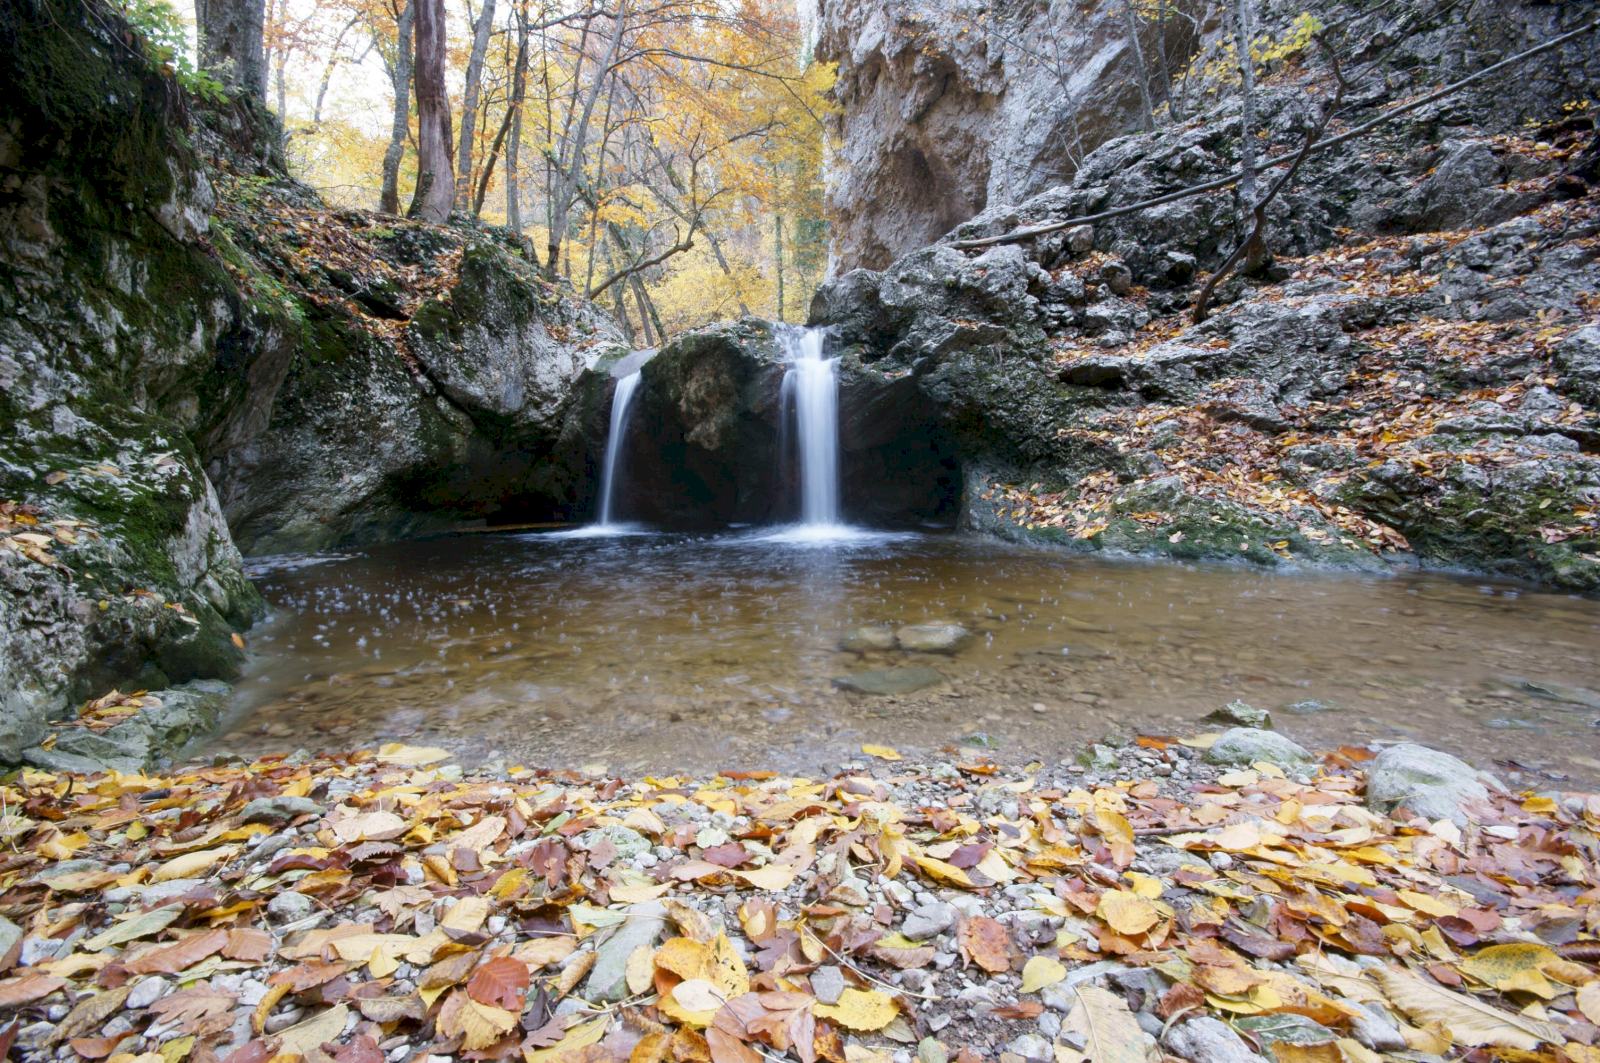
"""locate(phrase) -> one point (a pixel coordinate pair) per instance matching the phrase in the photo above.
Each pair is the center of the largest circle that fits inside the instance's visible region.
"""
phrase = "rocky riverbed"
(1234, 898)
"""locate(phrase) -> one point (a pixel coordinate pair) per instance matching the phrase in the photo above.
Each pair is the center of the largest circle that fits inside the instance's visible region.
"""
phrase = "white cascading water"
(813, 383)
(621, 399)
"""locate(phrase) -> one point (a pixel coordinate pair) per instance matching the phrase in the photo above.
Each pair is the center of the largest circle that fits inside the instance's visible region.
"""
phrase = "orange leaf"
(984, 941)
(170, 959)
(500, 983)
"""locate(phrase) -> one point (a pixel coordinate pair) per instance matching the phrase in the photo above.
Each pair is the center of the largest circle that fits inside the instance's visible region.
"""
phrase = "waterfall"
(621, 399)
(812, 385)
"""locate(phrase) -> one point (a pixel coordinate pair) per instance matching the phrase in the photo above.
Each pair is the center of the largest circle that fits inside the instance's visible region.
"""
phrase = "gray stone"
(1310, 707)
(1032, 1046)
(889, 680)
(1238, 714)
(1243, 746)
(146, 993)
(609, 979)
(10, 936)
(927, 920)
(827, 982)
(629, 842)
(289, 907)
(933, 638)
(868, 640)
(1059, 997)
(277, 811)
(1099, 758)
(1376, 1030)
(1426, 781)
(1205, 1040)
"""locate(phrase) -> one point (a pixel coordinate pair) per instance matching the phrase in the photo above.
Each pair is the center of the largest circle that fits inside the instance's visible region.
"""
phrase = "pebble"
(827, 982)
(289, 907)
(146, 993)
(282, 1020)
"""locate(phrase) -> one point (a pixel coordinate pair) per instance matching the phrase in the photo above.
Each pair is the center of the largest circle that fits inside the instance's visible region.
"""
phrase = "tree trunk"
(1138, 63)
(232, 44)
(400, 79)
(436, 191)
(779, 222)
(567, 178)
(639, 296)
(519, 90)
(469, 105)
(1255, 251)
(1242, 26)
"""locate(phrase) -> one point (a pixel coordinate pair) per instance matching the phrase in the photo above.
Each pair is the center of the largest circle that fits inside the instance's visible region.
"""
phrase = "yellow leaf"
(1589, 1002)
(726, 969)
(1512, 967)
(1126, 912)
(861, 1010)
(1427, 905)
(302, 1037)
(881, 752)
(541, 952)
(405, 756)
(191, 864)
(577, 1037)
(773, 877)
(1041, 971)
(640, 969)
(483, 1025)
(636, 894)
(1109, 1031)
(1470, 1021)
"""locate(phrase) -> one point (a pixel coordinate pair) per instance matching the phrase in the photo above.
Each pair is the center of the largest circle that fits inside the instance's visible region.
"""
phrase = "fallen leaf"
(500, 983)
(881, 752)
(1589, 1002)
(1470, 1021)
(1041, 971)
(1109, 1030)
(861, 1010)
(171, 959)
(301, 1038)
(25, 989)
(410, 756)
(188, 1006)
(986, 942)
(1127, 912)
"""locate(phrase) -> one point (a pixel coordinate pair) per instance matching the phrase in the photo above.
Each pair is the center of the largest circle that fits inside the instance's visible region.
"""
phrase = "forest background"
(665, 156)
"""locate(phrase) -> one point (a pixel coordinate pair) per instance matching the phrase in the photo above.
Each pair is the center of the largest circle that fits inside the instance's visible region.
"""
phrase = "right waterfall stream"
(811, 389)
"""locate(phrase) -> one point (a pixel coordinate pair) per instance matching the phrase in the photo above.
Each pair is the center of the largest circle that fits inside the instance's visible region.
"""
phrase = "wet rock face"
(947, 108)
(708, 440)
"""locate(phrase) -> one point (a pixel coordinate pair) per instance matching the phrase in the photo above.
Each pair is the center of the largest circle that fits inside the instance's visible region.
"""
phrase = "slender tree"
(566, 181)
(435, 192)
(400, 79)
(232, 47)
(469, 104)
(1138, 63)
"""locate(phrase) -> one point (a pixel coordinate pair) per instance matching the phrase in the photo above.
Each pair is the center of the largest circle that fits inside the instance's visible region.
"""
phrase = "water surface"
(658, 652)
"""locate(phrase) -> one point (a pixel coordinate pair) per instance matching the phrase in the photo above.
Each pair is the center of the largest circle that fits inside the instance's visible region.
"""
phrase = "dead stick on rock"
(1019, 235)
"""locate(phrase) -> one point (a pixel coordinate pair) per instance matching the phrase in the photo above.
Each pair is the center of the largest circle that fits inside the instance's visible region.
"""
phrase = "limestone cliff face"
(950, 106)
(198, 355)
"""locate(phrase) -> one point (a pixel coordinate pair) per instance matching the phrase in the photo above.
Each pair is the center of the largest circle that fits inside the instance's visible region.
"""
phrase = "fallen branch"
(1019, 235)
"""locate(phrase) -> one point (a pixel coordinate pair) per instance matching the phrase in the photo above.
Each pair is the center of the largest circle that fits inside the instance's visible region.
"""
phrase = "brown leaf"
(500, 983)
(984, 941)
(190, 1006)
(452, 970)
(575, 972)
(15, 992)
(1022, 1009)
(248, 944)
(304, 976)
(98, 1047)
(360, 1050)
(89, 1013)
(725, 1048)
(905, 959)
(392, 1009)
(1181, 996)
(257, 1051)
(170, 959)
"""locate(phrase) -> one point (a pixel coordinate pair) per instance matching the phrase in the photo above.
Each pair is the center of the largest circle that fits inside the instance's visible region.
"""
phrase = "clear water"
(661, 652)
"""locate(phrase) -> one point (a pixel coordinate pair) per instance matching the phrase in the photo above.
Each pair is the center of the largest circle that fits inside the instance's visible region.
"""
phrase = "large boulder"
(1243, 746)
(1428, 783)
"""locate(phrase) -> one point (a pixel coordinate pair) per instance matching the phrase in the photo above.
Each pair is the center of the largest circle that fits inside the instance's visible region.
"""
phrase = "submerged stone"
(868, 639)
(1310, 707)
(933, 638)
(889, 680)
(1099, 758)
